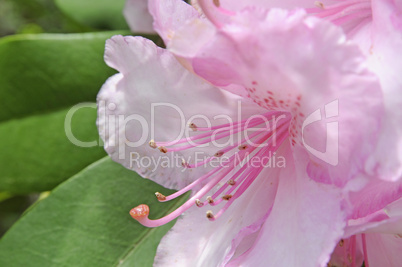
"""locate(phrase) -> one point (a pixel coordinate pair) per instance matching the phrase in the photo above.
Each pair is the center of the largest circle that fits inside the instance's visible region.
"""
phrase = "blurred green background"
(34, 16)
(63, 204)
(19, 17)
(49, 16)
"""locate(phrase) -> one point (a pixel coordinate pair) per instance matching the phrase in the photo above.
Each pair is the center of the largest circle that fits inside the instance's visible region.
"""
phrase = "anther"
(193, 126)
(217, 3)
(341, 243)
(198, 203)
(210, 215)
(210, 200)
(152, 144)
(319, 4)
(231, 182)
(160, 197)
(163, 149)
(227, 197)
(184, 163)
(219, 154)
(242, 147)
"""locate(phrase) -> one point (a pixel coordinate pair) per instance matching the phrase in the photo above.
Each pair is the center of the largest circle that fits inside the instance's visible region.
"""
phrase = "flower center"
(244, 162)
(350, 14)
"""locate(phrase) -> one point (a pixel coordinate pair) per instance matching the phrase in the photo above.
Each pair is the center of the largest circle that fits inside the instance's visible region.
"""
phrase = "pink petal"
(169, 16)
(386, 61)
(138, 17)
(288, 4)
(152, 76)
(245, 239)
(376, 195)
(386, 221)
(384, 250)
(303, 227)
(179, 34)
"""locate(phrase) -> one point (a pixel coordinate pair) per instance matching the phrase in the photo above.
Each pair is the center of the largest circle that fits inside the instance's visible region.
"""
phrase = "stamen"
(219, 154)
(264, 142)
(184, 164)
(353, 251)
(227, 149)
(240, 126)
(245, 170)
(160, 196)
(349, 13)
(198, 203)
(227, 197)
(224, 132)
(210, 200)
(319, 4)
(227, 167)
(341, 242)
(244, 175)
(343, 12)
(231, 182)
(245, 166)
(249, 176)
(210, 215)
(352, 18)
(366, 263)
(193, 127)
(152, 144)
(188, 204)
(163, 149)
(242, 147)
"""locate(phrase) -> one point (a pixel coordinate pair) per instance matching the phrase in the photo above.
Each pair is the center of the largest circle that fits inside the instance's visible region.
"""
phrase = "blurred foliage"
(34, 16)
(47, 72)
(98, 14)
(52, 157)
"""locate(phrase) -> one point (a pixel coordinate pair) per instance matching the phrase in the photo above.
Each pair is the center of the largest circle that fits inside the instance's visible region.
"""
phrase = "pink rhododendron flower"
(373, 233)
(376, 26)
(310, 92)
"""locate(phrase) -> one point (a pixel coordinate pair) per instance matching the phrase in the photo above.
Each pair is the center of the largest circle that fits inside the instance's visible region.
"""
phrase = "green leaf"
(99, 14)
(4, 196)
(85, 222)
(37, 152)
(45, 72)
(11, 209)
